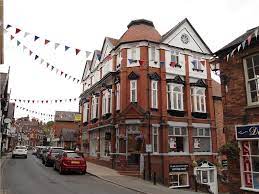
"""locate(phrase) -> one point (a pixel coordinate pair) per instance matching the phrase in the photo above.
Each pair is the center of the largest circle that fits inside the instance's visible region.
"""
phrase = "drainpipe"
(149, 115)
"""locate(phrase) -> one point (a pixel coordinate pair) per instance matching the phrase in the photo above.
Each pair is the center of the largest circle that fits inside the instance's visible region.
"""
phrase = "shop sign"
(178, 167)
(148, 148)
(247, 165)
(108, 136)
(247, 132)
(77, 117)
(224, 163)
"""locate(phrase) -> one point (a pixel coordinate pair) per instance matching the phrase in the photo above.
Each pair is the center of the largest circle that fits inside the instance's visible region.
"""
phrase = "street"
(29, 176)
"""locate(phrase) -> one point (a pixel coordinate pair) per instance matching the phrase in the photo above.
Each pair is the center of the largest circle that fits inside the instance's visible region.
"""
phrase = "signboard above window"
(244, 132)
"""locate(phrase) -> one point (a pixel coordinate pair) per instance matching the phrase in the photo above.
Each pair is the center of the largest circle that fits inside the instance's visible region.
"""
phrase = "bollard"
(154, 178)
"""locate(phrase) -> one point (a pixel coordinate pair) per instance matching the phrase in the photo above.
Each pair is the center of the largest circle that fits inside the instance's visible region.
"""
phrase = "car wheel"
(60, 170)
(25, 157)
(83, 172)
(13, 156)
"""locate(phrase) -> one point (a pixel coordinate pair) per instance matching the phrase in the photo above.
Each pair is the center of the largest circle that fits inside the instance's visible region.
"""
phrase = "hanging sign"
(247, 132)
(178, 167)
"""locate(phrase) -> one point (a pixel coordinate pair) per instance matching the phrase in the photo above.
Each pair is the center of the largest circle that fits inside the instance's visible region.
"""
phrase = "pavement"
(132, 183)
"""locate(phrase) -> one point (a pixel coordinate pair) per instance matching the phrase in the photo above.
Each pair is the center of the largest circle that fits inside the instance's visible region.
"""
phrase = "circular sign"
(185, 38)
(7, 120)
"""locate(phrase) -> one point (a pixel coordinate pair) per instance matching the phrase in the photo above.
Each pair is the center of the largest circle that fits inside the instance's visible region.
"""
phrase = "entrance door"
(132, 148)
(206, 173)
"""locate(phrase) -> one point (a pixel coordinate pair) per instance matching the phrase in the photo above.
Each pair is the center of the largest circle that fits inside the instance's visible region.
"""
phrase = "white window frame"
(85, 112)
(134, 53)
(106, 102)
(196, 99)
(175, 94)
(133, 90)
(155, 135)
(178, 174)
(186, 144)
(154, 94)
(248, 90)
(118, 96)
(198, 65)
(94, 107)
(153, 53)
(203, 135)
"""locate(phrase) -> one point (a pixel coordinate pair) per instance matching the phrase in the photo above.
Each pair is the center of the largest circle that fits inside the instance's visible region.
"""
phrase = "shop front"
(248, 140)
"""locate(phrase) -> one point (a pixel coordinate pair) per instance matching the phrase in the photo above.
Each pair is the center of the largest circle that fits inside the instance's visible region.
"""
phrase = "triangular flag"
(8, 26)
(74, 79)
(202, 62)
(17, 30)
(60, 100)
(42, 101)
(141, 62)
(56, 45)
(238, 48)
(30, 52)
(87, 53)
(249, 38)
(227, 57)
(47, 101)
(256, 33)
(61, 72)
(28, 101)
(26, 34)
(130, 61)
(173, 63)
(243, 44)
(74, 99)
(232, 53)
(56, 71)
(47, 65)
(41, 61)
(52, 67)
(78, 81)
(32, 101)
(36, 38)
(11, 37)
(69, 77)
(46, 41)
(18, 42)
(66, 48)
(77, 51)
(24, 47)
(56, 101)
(5, 31)
(65, 75)
(70, 99)
(36, 57)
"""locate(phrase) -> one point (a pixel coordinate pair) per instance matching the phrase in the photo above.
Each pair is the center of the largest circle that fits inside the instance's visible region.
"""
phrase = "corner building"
(146, 89)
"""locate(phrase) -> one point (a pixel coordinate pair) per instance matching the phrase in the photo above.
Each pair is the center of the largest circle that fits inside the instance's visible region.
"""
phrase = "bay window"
(133, 90)
(178, 139)
(85, 112)
(201, 140)
(175, 97)
(118, 96)
(251, 66)
(198, 99)
(154, 101)
(94, 110)
(155, 139)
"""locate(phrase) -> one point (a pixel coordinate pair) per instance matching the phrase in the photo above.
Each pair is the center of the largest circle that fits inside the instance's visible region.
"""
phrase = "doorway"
(132, 145)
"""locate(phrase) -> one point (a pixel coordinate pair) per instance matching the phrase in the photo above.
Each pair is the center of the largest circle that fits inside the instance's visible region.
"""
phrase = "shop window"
(201, 140)
(178, 139)
(178, 180)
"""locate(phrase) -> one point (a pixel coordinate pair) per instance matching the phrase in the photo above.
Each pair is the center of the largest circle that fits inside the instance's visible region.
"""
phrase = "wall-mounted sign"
(77, 118)
(247, 132)
(148, 148)
(224, 163)
(178, 167)
(7, 120)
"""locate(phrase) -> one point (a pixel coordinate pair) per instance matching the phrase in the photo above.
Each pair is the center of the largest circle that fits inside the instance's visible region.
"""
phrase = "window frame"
(247, 80)
(118, 96)
(155, 135)
(203, 135)
(134, 53)
(133, 90)
(195, 97)
(178, 175)
(171, 93)
(85, 112)
(173, 135)
(94, 110)
(154, 94)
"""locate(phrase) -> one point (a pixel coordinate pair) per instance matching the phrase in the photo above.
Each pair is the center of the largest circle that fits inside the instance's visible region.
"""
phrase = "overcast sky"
(84, 24)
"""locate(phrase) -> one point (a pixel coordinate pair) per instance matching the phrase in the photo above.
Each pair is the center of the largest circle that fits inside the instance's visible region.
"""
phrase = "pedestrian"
(77, 149)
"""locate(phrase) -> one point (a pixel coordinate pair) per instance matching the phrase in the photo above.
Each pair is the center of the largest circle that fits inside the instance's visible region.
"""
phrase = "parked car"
(39, 151)
(49, 156)
(20, 151)
(68, 160)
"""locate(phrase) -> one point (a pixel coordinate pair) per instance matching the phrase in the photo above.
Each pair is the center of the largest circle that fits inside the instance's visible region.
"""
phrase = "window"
(85, 113)
(175, 97)
(118, 96)
(205, 176)
(155, 139)
(252, 76)
(178, 180)
(133, 91)
(250, 164)
(197, 63)
(174, 58)
(198, 99)
(117, 144)
(178, 139)
(106, 102)
(134, 54)
(94, 107)
(201, 140)
(153, 53)
(154, 101)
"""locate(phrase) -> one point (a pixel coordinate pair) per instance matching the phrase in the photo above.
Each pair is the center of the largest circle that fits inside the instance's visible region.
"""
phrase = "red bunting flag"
(46, 41)
(202, 62)
(17, 30)
(141, 62)
(32, 101)
(173, 63)
(77, 51)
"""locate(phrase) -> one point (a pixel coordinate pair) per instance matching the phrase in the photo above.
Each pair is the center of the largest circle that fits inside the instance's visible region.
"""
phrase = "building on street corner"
(239, 70)
(149, 105)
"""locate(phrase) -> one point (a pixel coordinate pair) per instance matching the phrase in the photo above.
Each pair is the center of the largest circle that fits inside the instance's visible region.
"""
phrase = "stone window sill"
(252, 106)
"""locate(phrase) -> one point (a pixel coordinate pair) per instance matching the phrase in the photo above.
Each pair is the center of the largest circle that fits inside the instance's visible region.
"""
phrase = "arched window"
(175, 97)
(198, 99)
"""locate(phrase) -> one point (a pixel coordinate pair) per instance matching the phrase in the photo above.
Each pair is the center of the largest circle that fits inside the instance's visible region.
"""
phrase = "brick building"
(146, 89)
(239, 62)
(66, 130)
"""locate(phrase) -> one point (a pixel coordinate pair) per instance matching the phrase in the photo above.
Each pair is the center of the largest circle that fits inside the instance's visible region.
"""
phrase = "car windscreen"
(73, 155)
(20, 147)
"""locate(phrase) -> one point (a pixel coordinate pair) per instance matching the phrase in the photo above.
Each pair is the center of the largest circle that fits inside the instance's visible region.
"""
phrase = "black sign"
(247, 132)
(178, 167)
(224, 163)
(108, 136)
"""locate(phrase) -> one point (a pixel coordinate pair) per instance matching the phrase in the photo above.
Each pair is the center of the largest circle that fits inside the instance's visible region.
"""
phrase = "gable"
(185, 36)
(107, 47)
(95, 60)
(133, 109)
(86, 70)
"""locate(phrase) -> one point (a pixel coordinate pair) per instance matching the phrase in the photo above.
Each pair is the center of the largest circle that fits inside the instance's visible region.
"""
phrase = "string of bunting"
(47, 41)
(42, 61)
(245, 43)
(30, 101)
(34, 112)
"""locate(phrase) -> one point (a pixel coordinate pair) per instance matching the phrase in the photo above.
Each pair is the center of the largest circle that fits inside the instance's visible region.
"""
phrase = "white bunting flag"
(238, 48)
(24, 47)
(244, 44)
(5, 31)
(87, 53)
(56, 45)
(41, 61)
(227, 57)
(256, 33)
(26, 34)
(232, 53)
(56, 71)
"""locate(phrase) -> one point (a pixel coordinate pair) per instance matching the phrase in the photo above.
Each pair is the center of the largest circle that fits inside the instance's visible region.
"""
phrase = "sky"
(84, 24)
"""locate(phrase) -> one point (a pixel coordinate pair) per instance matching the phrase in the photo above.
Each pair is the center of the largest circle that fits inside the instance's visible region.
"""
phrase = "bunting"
(34, 112)
(47, 41)
(43, 101)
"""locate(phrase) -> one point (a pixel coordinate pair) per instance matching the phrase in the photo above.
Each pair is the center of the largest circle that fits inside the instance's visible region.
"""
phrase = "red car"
(67, 161)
